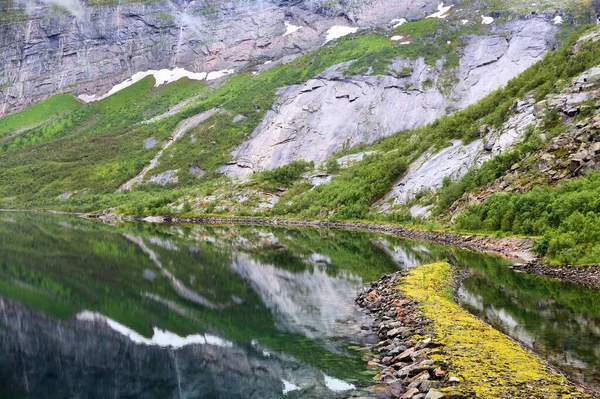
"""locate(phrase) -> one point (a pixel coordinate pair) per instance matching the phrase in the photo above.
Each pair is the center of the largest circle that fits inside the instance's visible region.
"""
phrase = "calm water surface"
(89, 310)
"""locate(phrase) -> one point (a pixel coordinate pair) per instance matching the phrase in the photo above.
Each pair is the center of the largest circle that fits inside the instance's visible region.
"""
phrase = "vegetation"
(287, 174)
(566, 216)
(489, 364)
(89, 153)
(41, 112)
(487, 173)
(352, 193)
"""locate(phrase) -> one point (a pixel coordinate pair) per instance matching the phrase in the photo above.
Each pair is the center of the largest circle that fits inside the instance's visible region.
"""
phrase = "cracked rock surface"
(315, 120)
(90, 51)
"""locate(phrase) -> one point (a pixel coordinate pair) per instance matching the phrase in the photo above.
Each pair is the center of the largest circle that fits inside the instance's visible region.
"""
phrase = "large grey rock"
(98, 47)
(489, 62)
(315, 120)
(430, 170)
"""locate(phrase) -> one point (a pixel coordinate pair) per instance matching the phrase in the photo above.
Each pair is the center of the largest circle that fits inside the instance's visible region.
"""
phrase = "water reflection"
(558, 320)
(91, 310)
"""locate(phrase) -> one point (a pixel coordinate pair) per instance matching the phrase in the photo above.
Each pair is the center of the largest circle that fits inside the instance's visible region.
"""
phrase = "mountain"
(402, 111)
(57, 46)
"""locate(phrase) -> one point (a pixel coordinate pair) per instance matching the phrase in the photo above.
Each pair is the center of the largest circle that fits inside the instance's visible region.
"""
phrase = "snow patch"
(396, 38)
(289, 387)
(442, 11)
(558, 20)
(335, 385)
(160, 338)
(335, 32)
(162, 76)
(289, 28)
(398, 22)
(464, 21)
(219, 74)
(87, 98)
(486, 20)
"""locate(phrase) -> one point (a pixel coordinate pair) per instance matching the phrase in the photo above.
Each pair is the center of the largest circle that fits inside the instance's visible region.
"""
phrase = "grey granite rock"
(87, 50)
(315, 120)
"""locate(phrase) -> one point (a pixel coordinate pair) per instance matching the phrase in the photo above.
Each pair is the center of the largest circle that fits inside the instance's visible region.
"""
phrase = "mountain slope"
(86, 49)
(338, 106)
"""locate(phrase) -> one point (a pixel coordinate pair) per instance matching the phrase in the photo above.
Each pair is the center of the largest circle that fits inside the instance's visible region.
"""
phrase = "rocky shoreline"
(404, 352)
(516, 249)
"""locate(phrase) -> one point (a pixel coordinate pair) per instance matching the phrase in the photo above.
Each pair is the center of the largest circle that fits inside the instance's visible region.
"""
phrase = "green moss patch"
(488, 363)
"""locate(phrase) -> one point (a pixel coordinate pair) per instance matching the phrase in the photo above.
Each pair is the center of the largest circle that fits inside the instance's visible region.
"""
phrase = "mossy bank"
(431, 348)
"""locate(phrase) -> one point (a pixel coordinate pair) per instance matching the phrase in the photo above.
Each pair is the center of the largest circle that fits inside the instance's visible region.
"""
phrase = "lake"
(92, 310)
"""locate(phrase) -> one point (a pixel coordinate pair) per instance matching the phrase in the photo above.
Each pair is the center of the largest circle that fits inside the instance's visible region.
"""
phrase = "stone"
(410, 393)
(150, 143)
(439, 373)
(197, 171)
(372, 364)
(574, 165)
(396, 331)
(395, 389)
(434, 394)
(424, 375)
(238, 118)
(404, 356)
(167, 177)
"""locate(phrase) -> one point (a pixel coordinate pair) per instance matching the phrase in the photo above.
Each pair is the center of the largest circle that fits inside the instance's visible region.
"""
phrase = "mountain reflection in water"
(186, 311)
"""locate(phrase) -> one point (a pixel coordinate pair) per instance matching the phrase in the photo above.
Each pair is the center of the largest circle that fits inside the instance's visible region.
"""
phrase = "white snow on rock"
(464, 21)
(219, 74)
(86, 98)
(162, 76)
(486, 20)
(160, 338)
(335, 32)
(396, 38)
(398, 22)
(336, 385)
(442, 11)
(558, 20)
(289, 28)
(289, 387)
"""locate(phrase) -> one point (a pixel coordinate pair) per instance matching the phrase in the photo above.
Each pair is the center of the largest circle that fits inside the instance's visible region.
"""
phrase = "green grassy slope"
(91, 152)
(38, 113)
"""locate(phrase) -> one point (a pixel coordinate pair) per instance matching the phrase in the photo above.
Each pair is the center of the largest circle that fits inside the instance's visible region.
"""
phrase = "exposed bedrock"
(90, 49)
(315, 120)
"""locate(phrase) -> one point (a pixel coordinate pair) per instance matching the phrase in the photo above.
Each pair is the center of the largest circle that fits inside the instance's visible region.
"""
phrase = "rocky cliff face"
(87, 50)
(315, 120)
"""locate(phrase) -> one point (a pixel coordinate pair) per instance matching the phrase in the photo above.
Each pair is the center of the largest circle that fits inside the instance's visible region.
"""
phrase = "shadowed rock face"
(91, 51)
(315, 120)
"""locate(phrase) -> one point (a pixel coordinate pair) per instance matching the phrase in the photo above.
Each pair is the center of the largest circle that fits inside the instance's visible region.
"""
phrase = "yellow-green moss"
(489, 364)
